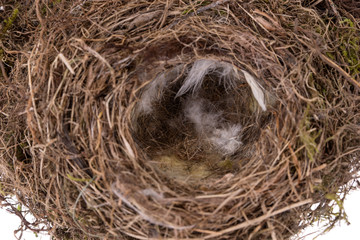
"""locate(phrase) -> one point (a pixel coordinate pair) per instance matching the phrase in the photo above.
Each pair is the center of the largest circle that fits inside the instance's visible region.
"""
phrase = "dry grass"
(75, 151)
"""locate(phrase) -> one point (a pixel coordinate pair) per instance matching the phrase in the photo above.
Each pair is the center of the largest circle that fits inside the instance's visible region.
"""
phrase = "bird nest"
(179, 119)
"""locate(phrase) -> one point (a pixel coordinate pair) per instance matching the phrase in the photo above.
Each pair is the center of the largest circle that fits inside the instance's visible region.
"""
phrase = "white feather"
(226, 139)
(196, 75)
(155, 89)
(203, 121)
(201, 68)
(225, 71)
(212, 126)
(149, 96)
(256, 89)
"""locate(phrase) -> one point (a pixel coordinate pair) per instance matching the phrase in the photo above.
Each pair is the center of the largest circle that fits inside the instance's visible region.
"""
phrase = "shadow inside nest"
(200, 121)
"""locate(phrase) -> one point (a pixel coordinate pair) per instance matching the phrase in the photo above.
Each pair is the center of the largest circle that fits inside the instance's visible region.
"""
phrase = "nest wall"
(76, 151)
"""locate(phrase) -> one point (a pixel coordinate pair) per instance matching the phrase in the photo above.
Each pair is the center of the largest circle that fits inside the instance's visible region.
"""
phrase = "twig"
(3, 71)
(74, 209)
(259, 219)
(340, 70)
(333, 7)
(75, 155)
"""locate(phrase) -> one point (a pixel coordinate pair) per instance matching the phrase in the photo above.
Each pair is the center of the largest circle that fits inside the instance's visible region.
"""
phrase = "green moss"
(319, 29)
(187, 11)
(78, 179)
(350, 46)
(3, 193)
(6, 25)
(335, 206)
(309, 135)
(337, 211)
(347, 22)
(331, 56)
(226, 164)
(10, 21)
(222, 13)
(182, 170)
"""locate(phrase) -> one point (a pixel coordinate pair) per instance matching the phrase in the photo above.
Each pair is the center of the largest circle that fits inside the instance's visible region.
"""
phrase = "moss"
(350, 46)
(78, 179)
(330, 55)
(181, 170)
(335, 210)
(226, 164)
(2, 192)
(8, 23)
(348, 22)
(222, 13)
(309, 135)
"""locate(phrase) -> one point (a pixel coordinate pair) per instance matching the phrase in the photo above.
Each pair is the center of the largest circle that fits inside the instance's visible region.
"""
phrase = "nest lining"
(192, 119)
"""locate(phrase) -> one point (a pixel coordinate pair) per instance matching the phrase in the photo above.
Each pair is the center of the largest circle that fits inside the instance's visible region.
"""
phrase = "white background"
(9, 222)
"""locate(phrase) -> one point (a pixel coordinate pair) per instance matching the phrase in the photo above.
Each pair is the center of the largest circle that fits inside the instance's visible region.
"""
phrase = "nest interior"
(199, 125)
(178, 119)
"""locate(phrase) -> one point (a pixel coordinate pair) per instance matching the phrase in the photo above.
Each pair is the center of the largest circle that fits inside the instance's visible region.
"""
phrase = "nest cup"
(180, 120)
(199, 120)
